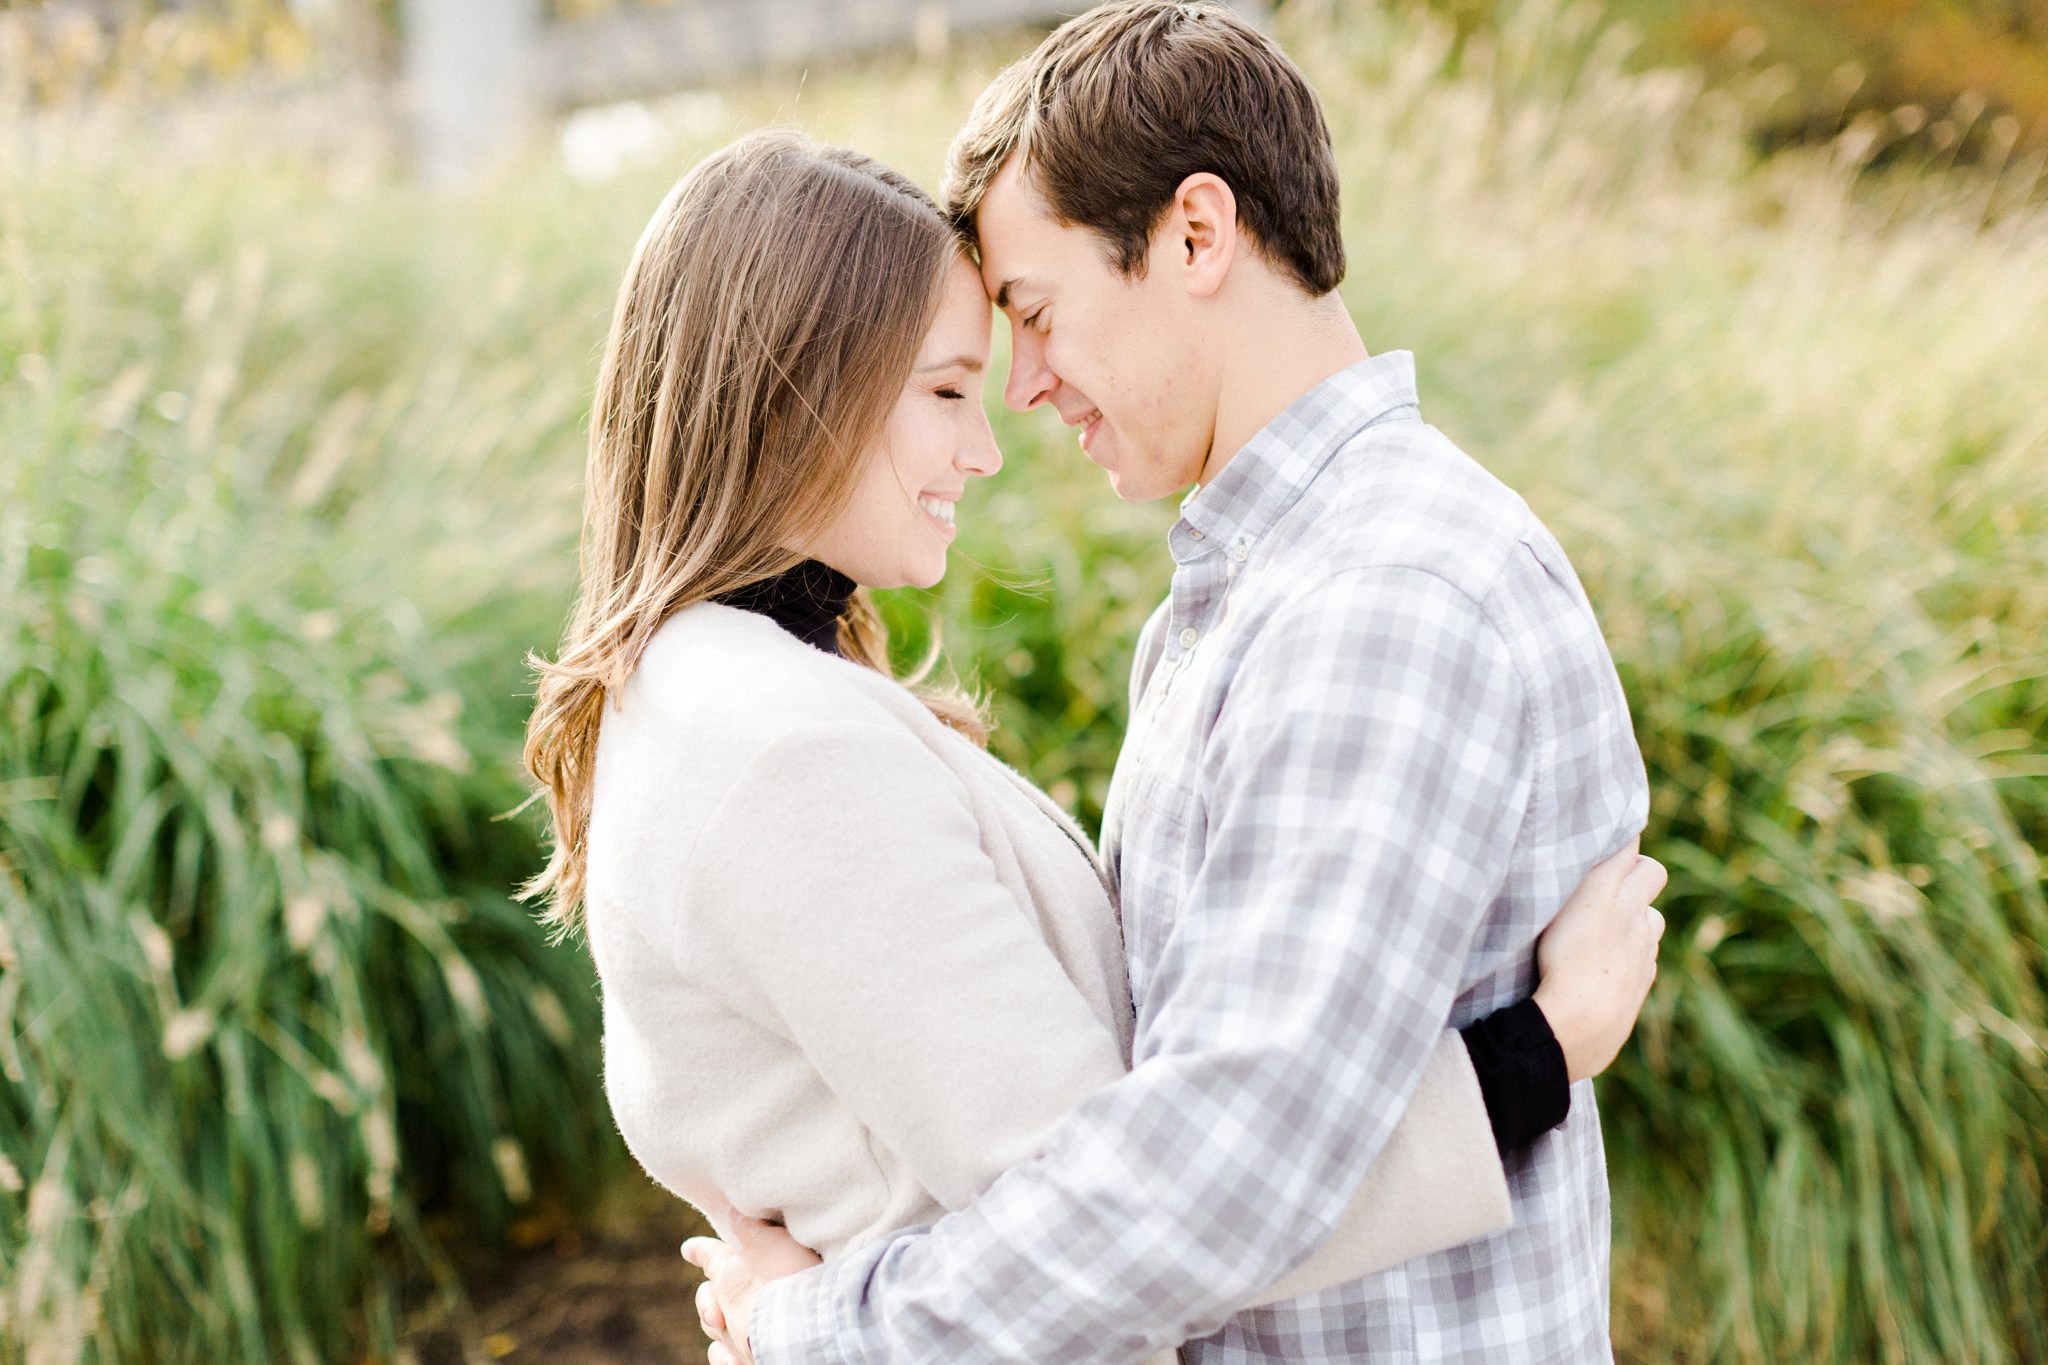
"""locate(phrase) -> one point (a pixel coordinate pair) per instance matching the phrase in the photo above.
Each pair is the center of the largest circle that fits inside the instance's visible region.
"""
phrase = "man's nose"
(1030, 382)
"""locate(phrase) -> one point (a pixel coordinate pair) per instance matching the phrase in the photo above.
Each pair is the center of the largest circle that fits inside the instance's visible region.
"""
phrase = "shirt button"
(1194, 534)
(1238, 552)
(1188, 638)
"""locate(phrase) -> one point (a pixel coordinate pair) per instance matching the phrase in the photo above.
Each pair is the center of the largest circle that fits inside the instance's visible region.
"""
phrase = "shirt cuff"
(794, 1321)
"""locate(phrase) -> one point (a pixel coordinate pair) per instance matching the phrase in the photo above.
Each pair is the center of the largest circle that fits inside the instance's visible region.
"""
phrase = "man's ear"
(1201, 232)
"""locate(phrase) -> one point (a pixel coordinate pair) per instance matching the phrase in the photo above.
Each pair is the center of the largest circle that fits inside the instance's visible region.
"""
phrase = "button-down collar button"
(1188, 637)
(1238, 552)
(1194, 534)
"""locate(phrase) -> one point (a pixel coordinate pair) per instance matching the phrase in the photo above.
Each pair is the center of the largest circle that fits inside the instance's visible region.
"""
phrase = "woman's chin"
(909, 571)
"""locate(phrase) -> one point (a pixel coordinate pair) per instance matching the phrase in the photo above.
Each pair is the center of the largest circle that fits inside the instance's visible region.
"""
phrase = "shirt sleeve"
(848, 905)
(1364, 787)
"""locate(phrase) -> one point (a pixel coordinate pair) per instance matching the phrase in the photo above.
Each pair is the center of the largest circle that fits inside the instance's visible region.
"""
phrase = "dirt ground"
(614, 1290)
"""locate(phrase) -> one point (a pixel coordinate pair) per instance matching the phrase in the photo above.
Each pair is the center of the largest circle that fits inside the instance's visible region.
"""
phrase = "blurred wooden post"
(470, 82)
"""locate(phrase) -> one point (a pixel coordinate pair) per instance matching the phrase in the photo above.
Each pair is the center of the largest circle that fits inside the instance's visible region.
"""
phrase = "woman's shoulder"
(718, 686)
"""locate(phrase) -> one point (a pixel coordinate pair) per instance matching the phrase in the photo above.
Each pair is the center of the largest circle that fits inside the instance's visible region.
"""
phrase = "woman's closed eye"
(952, 393)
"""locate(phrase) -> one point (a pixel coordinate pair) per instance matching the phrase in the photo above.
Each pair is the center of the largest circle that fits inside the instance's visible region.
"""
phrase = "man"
(1375, 739)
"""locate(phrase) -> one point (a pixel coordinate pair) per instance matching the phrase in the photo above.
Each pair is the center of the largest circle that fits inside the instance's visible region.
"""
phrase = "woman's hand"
(734, 1273)
(1598, 958)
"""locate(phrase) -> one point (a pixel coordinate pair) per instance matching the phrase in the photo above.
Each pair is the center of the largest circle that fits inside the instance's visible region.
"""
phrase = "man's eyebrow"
(965, 362)
(1003, 294)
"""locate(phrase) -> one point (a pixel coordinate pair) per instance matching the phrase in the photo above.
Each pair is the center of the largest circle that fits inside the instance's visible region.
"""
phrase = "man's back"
(1375, 717)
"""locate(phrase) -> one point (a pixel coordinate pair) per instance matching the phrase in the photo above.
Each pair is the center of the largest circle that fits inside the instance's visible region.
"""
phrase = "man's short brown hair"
(1120, 105)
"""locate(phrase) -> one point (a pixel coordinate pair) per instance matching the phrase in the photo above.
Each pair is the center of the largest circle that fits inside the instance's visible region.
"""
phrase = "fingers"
(702, 1251)
(749, 1233)
(768, 1250)
(711, 1316)
(725, 1270)
(1645, 881)
(719, 1265)
(1607, 876)
(717, 1261)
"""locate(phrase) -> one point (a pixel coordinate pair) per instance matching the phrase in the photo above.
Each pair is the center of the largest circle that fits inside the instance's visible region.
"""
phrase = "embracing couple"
(1297, 1068)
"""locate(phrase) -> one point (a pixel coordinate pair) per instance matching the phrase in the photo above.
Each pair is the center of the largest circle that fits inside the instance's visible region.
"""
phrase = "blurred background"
(300, 310)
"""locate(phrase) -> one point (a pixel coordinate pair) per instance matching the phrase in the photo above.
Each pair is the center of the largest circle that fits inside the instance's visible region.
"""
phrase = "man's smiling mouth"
(1090, 424)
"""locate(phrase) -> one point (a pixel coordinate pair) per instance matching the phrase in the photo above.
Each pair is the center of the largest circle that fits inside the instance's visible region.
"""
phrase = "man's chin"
(1126, 488)
(1138, 486)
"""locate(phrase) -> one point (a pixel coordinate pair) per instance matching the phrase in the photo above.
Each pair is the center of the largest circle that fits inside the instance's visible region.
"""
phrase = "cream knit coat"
(853, 967)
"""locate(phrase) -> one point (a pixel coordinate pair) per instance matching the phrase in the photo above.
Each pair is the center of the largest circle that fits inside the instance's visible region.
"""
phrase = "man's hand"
(734, 1273)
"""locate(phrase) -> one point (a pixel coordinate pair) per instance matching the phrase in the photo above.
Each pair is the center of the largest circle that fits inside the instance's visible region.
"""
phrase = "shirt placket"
(1200, 580)
(1200, 577)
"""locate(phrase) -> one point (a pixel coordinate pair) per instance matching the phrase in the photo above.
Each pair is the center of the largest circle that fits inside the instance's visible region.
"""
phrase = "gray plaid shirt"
(1376, 739)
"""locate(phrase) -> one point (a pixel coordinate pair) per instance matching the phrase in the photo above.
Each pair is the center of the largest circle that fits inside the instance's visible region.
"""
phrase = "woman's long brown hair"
(767, 325)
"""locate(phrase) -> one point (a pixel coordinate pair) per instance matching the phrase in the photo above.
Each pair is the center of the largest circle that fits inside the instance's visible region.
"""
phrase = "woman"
(853, 967)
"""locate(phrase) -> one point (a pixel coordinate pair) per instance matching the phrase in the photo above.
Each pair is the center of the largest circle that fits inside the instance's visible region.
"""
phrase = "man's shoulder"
(1406, 497)
(1406, 526)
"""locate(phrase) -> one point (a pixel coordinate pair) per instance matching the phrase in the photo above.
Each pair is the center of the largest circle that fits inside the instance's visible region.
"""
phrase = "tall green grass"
(270, 1025)
(289, 485)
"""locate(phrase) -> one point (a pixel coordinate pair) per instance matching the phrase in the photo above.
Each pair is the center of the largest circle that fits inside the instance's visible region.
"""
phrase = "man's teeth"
(939, 508)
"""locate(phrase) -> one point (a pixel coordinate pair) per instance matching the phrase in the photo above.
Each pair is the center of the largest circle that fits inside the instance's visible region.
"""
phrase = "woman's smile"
(940, 510)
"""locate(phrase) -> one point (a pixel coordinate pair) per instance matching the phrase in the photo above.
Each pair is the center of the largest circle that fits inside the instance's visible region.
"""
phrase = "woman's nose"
(981, 456)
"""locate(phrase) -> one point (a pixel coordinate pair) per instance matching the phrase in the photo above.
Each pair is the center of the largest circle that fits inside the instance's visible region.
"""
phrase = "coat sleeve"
(1436, 1184)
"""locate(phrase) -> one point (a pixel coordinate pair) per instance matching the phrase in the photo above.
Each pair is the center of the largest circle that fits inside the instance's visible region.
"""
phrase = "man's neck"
(1283, 350)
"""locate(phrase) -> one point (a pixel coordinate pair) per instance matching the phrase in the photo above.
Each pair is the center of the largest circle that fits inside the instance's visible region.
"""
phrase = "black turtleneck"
(807, 601)
(1521, 1068)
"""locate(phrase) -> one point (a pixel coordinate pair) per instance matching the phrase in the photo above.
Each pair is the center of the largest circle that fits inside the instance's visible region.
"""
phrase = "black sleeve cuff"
(1522, 1074)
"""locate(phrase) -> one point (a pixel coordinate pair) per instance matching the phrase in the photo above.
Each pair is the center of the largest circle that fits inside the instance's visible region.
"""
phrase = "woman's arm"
(1597, 960)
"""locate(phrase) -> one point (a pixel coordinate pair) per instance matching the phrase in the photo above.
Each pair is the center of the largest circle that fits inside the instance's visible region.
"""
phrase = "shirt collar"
(1284, 457)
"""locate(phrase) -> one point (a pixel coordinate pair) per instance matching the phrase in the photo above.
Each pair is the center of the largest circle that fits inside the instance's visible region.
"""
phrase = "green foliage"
(288, 464)
(267, 1013)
